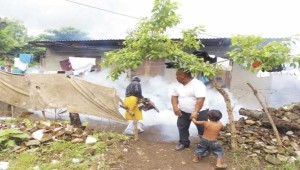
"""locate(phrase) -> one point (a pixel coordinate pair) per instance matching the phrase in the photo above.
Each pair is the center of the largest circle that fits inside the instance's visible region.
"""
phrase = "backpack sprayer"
(146, 104)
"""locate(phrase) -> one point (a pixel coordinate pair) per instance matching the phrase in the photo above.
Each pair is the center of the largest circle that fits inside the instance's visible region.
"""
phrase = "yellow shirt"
(131, 102)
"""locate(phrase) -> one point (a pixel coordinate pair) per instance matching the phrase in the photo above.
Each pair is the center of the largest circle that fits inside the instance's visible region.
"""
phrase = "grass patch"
(65, 155)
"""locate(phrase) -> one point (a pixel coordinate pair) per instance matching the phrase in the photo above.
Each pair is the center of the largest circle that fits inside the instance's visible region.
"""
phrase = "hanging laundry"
(20, 65)
(26, 58)
(81, 64)
(65, 65)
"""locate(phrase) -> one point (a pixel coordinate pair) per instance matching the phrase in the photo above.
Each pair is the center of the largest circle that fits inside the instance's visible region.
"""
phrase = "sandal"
(224, 166)
(196, 159)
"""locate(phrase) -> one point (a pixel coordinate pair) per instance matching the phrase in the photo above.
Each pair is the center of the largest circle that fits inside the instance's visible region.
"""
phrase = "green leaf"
(10, 143)
(21, 136)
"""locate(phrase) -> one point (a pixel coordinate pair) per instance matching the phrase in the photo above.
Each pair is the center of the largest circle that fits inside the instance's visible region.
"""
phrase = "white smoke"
(158, 90)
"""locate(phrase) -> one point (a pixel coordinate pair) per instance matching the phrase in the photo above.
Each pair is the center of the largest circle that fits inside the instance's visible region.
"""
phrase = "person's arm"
(199, 104)
(198, 121)
(174, 101)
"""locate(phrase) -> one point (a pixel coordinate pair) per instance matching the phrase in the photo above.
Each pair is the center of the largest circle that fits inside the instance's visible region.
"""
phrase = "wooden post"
(269, 116)
(136, 133)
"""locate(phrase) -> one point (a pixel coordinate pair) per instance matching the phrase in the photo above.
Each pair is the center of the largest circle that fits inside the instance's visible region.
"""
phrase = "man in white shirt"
(188, 97)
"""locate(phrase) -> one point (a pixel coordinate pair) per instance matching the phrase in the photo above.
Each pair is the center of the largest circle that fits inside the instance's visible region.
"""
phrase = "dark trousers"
(183, 124)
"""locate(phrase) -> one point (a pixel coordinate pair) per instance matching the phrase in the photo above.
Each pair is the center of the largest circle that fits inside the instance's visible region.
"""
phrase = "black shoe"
(181, 147)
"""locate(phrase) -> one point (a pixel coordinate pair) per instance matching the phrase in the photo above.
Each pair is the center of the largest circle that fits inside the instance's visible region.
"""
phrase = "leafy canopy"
(13, 36)
(64, 33)
(249, 49)
(150, 41)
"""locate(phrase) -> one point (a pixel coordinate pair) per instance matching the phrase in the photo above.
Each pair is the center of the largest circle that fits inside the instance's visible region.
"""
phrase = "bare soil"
(155, 151)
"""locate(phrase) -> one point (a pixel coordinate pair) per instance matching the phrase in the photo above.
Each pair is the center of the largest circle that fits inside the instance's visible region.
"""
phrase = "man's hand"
(177, 111)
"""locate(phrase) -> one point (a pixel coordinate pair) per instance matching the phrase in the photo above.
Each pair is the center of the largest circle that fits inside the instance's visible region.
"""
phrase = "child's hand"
(194, 115)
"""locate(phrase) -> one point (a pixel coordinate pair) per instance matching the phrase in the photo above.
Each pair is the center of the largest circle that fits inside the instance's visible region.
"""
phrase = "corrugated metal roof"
(119, 42)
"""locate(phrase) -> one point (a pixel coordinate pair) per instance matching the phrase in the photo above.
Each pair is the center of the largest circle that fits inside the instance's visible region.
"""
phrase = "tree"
(250, 51)
(13, 36)
(64, 33)
(150, 41)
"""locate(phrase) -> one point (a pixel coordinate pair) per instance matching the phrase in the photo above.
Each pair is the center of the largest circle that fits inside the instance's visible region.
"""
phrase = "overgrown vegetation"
(10, 137)
(61, 154)
(244, 162)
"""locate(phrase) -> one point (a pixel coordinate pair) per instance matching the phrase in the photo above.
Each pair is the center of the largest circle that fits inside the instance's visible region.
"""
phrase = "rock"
(281, 150)
(4, 165)
(292, 116)
(291, 160)
(257, 151)
(90, 140)
(38, 135)
(290, 151)
(274, 141)
(32, 143)
(54, 161)
(46, 137)
(19, 149)
(282, 158)
(297, 153)
(36, 168)
(272, 159)
(253, 155)
(258, 123)
(289, 133)
(90, 151)
(250, 122)
(286, 143)
(77, 140)
(76, 160)
(271, 151)
(295, 146)
(285, 138)
(270, 147)
(286, 119)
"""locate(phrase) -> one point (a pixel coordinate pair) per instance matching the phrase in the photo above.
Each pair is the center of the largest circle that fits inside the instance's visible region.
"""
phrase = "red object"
(256, 64)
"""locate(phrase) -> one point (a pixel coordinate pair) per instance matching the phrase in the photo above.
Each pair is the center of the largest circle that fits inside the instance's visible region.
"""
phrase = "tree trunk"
(230, 114)
(269, 116)
(75, 120)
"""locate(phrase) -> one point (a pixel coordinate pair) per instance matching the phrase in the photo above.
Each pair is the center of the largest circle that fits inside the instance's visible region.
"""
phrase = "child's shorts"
(210, 146)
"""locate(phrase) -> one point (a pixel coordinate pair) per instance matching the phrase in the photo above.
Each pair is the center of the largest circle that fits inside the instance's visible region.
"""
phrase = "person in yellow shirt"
(133, 97)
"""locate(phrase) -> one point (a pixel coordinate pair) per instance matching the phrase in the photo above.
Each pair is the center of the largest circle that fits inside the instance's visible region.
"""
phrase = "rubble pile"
(46, 131)
(255, 134)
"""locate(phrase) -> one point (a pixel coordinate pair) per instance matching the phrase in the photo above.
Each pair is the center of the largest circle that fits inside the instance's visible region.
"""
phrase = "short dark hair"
(186, 72)
(214, 115)
(136, 78)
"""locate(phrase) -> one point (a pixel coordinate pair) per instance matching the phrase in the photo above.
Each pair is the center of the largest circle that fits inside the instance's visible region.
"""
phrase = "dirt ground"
(154, 150)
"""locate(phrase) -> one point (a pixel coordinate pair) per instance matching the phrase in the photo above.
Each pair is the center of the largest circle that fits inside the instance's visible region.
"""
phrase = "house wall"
(55, 55)
(242, 92)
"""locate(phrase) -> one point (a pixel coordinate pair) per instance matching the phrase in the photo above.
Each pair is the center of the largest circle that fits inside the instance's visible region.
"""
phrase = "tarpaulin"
(50, 91)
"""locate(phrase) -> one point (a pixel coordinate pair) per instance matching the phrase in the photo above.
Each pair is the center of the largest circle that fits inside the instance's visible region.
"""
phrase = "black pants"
(183, 124)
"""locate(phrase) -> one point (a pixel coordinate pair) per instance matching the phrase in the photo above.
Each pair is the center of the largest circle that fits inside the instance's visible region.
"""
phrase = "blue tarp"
(26, 58)
(17, 71)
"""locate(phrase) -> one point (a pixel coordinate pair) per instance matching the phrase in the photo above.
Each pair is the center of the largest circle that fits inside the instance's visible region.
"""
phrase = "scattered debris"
(256, 137)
